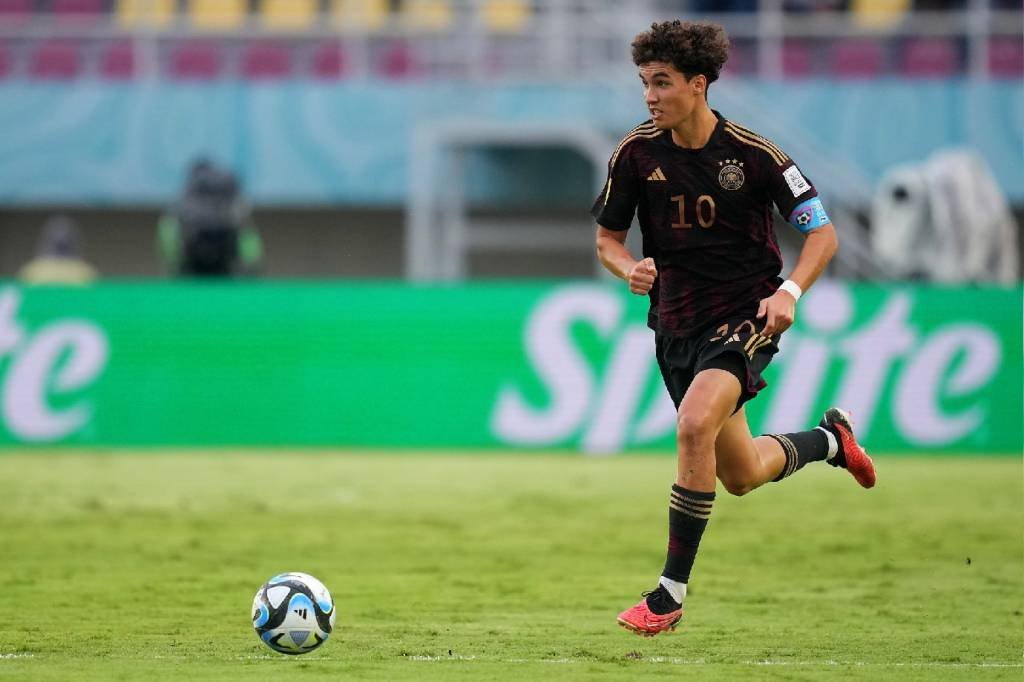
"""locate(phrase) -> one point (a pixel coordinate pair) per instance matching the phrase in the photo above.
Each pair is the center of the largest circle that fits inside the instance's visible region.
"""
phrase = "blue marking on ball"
(263, 617)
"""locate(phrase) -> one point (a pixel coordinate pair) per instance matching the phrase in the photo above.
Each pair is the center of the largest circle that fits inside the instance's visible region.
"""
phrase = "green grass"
(143, 566)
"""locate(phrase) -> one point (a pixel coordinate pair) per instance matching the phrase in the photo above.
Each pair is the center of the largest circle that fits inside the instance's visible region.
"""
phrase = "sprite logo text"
(932, 378)
(46, 368)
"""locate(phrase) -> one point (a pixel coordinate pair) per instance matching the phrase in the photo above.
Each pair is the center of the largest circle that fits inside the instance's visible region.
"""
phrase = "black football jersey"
(706, 219)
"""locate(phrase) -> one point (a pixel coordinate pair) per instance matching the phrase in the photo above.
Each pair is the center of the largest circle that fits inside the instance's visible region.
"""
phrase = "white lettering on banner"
(602, 407)
(561, 367)
(660, 418)
(870, 354)
(62, 357)
(608, 412)
(918, 414)
(804, 360)
(11, 333)
(625, 379)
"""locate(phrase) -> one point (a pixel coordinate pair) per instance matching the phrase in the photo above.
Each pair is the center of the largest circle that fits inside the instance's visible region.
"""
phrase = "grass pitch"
(143, 566)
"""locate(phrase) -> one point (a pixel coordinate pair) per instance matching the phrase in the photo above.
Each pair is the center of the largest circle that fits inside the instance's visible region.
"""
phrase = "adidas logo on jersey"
(657, 175)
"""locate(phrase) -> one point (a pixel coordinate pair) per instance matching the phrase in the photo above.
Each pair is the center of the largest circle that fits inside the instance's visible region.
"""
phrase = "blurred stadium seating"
(929, 57)
(159, 81)
(857, 58)
(55, 59)
(196, 59)
(400, 38)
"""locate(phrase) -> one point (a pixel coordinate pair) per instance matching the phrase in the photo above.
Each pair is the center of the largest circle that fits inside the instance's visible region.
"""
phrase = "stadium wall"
(538, 365)
(301, 142)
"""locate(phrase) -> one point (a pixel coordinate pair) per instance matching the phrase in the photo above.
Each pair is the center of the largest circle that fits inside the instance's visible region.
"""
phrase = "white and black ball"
(293, 613)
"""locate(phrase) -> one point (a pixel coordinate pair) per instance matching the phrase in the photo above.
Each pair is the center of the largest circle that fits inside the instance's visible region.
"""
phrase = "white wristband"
(791, 288)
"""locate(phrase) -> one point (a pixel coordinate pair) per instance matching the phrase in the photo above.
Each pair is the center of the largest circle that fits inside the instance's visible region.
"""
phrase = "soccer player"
(702, 188)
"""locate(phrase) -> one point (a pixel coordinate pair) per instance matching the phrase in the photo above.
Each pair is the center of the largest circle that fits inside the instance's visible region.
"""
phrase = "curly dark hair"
(692, 47)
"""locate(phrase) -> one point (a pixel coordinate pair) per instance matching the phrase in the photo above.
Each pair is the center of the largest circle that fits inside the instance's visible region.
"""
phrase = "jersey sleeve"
(788, 187)
(616, 205)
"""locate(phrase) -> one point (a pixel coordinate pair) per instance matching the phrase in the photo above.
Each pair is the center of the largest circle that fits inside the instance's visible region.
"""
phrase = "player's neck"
(695, 131)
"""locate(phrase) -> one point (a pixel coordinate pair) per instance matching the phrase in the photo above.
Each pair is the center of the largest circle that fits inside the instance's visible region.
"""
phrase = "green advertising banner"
(496, 366)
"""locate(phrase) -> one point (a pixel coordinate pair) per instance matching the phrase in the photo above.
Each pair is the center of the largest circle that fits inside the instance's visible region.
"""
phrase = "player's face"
(670, 97)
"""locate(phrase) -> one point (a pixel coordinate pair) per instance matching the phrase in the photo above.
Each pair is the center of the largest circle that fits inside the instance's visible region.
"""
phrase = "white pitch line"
(7, 657)
(834, 663)
(663, 660)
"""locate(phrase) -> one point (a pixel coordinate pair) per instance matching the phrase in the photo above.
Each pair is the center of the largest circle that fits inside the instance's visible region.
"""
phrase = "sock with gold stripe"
(688, 514)
(801, 448)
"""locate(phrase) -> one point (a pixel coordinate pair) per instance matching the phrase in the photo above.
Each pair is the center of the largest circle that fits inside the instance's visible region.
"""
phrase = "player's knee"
(738, 486)
(695, 429)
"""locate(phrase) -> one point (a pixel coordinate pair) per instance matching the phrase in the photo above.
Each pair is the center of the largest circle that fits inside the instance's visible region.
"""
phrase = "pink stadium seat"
(857, 58)
(1006, 58)
(15, 12)
(328, 61)
(742, 59)
(929, 57)
(266, 60)
(196, 60)
(117, 60)
(55, 59)
(6, 62)
(398, 61)
(796, 59)
(78, 10)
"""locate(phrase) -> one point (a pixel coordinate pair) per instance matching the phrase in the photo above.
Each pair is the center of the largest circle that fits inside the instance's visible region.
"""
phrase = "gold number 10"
(704, 211)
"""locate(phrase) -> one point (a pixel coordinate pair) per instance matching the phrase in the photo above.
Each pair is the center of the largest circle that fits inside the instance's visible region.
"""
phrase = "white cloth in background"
(945, 220)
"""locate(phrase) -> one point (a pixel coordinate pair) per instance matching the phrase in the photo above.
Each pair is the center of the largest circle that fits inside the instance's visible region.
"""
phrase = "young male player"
(702, 188)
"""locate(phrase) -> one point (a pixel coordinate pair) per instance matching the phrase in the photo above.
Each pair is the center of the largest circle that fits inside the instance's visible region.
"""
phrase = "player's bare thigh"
(708, 402)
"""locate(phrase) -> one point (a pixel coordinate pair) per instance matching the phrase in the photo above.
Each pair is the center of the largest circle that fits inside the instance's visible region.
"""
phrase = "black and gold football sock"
(688, 514)
(801, 448)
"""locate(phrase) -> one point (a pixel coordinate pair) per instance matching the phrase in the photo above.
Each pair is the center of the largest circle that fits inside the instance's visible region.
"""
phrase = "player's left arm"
(820, 244)
(779, 309)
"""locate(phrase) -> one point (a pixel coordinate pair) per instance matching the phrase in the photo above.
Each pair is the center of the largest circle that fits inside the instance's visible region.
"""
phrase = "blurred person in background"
(209, 231)
(702, 188)
(58, 258)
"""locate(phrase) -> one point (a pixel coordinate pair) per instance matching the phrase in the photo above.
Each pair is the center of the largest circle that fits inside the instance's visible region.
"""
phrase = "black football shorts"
(733, 345)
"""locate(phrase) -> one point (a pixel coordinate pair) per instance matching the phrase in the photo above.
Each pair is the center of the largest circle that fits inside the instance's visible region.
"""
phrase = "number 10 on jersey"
(703, 211)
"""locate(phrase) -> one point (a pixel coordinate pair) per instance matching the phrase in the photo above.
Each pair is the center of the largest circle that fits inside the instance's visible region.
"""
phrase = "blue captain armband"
(809, 215)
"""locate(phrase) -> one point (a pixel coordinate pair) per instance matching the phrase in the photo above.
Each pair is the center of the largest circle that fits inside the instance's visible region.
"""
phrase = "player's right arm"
(614, 210)
(617, 259)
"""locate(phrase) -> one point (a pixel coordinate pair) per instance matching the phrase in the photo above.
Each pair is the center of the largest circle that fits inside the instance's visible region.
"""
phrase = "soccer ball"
(293, 613)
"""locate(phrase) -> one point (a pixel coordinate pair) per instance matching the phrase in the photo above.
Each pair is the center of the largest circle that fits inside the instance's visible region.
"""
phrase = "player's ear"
(699, 84)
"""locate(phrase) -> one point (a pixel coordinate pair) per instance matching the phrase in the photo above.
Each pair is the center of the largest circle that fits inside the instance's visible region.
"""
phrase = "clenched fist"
(641, 276)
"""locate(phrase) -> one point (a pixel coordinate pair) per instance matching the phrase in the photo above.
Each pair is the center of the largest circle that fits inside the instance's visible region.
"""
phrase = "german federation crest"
(731, 176)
